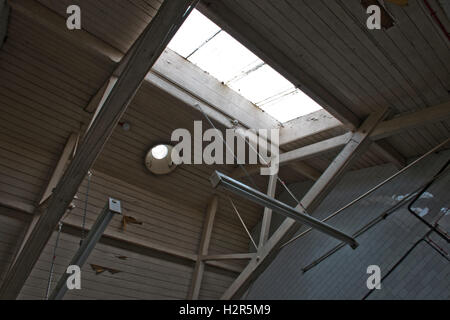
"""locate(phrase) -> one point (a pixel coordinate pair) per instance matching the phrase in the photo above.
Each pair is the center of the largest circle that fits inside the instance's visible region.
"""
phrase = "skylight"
(213, 50)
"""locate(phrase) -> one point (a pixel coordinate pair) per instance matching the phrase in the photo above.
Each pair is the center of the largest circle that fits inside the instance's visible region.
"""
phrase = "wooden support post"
(155, 38)
(267, 253)
(267, 216)
(197, 276)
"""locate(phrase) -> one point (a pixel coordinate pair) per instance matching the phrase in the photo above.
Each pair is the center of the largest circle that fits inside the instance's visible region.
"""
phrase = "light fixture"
(160, 151)
(159, 159)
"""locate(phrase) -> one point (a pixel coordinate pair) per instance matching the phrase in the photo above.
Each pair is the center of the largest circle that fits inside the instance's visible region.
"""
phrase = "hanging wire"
(369, 192)
(260, 157)
(242, 222)
(227, 146)
(52, 266)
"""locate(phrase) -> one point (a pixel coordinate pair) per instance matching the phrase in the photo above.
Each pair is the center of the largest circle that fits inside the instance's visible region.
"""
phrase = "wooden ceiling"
(405, 67)
(46, 81)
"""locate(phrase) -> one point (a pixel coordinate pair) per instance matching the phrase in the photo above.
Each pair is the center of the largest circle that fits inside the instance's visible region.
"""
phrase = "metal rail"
(371, 190)
(220, 180)
(112, 207)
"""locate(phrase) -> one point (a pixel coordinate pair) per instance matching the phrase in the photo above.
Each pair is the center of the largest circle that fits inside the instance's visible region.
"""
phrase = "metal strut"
(220, 180)
(112, 207)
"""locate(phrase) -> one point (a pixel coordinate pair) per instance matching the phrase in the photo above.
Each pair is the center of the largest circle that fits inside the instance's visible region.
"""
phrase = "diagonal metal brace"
(219, 180)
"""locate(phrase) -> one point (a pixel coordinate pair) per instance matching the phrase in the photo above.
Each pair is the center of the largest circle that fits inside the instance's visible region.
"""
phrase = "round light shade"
(159, 159)
(160, 151)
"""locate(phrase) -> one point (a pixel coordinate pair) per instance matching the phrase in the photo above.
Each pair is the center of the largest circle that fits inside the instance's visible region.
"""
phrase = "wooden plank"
(357, 145)
(307, 126)
(412, 120)
(230, 256)
(197, 277)
(243, 32)
(315, 149)
(60, 166)
(267, 215)
(156, 36)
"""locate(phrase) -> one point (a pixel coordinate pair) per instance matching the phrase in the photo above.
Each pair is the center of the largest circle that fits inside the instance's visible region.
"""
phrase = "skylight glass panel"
(224, 58)
(195, 31)
(261, 84)
(203, 43)
(290, 106)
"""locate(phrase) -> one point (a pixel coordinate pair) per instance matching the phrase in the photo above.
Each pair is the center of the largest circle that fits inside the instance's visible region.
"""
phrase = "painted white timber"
(315, 149)
(155, 38)
(231, 256)
(412, 120)
(307, 126)
(199, 268)
(60, 166)
(356, 146)
(267, 216)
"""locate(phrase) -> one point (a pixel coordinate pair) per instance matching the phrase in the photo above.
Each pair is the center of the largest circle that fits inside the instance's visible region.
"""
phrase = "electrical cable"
(370, 191)
(372, 223)
(52, 265)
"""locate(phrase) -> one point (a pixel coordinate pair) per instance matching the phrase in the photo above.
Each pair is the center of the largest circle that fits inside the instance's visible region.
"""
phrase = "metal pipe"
(112, 207)
(220, 180)
(370, 191)
(429, 225)
(413, 195)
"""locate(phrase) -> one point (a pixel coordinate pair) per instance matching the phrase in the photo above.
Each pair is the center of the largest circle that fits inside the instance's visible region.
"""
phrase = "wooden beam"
(357, 145)
(267, 216)
(230, 256)
(60, 166)
(228, 20)
(412, 120)
(307, 126)
(231, 22)
(300, 167)
(155, 38)
(315, 149)
(197, 276)
(209, 90)
(114, 238)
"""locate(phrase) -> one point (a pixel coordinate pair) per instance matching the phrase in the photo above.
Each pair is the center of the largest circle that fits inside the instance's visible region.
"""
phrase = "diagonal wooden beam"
(315, 149)
(199, 268)
(357, 145)
(267, 216)
(54, 180)
(154, 39)
(60, 166)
